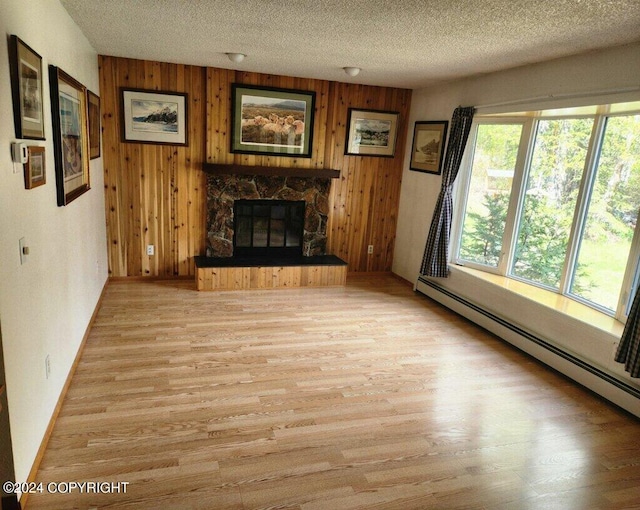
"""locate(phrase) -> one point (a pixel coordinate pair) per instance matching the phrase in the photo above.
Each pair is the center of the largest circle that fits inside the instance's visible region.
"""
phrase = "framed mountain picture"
(150, 116)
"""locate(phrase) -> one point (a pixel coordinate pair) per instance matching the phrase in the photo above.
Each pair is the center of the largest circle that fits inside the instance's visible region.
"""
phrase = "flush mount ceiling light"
(236, 57)
(351, 71)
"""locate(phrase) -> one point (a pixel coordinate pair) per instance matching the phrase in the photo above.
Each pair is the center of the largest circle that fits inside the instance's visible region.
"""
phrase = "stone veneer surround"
(223, 190)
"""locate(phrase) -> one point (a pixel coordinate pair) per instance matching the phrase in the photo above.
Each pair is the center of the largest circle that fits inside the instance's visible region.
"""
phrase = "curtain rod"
(552, 97)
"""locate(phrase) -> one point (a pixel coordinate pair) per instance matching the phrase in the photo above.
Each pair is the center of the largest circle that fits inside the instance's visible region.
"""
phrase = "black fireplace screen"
(268, 227)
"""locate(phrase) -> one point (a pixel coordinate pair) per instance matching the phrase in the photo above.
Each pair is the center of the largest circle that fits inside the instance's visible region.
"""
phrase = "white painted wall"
(46, 304)
(586, 75)
(618, 68)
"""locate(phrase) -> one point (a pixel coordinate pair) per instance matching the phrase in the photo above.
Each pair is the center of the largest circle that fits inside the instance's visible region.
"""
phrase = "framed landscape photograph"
(149, 116)
(272, 121)
(34, 169)
(70, 135)
(93, 104)
(429, 139)
(371, 133)
(26, 87)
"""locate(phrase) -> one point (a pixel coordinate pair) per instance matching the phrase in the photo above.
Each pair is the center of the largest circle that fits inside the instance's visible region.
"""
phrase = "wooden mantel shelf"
(222, 169)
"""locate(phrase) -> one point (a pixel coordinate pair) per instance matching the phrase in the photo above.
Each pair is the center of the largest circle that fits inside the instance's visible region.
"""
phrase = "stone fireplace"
(224, 190)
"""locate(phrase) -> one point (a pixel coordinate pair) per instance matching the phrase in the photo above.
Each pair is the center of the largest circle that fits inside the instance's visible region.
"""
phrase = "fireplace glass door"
(268, 227)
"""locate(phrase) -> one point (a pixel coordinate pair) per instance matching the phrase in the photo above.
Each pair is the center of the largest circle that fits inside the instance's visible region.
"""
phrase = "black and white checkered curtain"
(629, 348)
(434, 261)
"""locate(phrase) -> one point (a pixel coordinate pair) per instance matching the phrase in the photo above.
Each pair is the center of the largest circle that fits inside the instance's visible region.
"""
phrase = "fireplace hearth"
(267, 231)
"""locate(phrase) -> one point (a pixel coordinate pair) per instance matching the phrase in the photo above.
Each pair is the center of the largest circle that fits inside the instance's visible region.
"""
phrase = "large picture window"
(552, 199)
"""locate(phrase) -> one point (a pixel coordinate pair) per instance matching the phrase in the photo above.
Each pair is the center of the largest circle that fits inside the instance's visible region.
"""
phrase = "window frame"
(529, 122)
(569, 255)
(461, 191)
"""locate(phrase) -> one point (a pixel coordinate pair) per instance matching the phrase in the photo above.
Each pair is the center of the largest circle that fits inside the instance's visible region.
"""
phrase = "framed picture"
(429, 138)
(271, 121)
(93, 104)
(150, 116)
(26, 87)
(70, 135)
(371, 133)
(34, 168)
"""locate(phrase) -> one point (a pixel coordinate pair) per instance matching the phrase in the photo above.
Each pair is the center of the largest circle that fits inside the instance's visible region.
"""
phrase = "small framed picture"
(429, 139)
(70, 135)
(149, 116)
(272, 121)
(371, 133)
(34, 169)
(93, 105)
(26, 87)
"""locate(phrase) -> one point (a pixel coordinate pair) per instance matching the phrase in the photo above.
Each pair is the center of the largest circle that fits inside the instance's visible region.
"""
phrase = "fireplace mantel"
(222, 169)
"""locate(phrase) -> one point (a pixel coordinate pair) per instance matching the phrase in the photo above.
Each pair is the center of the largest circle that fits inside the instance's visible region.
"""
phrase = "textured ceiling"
(402, 43)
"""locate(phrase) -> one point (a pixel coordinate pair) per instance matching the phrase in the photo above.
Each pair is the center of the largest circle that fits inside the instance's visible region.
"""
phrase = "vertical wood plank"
(157, 195)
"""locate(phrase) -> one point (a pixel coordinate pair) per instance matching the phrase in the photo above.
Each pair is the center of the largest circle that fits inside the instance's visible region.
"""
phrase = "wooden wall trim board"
(156, 194)
(383, 274)
(150, 278)
(56, 410)
(402, 280)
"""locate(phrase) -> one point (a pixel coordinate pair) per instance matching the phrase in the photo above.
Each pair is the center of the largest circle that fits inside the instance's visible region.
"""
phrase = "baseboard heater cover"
(614, 381)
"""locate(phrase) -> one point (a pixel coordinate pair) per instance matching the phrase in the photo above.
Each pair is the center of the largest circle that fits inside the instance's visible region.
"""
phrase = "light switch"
(24, 250)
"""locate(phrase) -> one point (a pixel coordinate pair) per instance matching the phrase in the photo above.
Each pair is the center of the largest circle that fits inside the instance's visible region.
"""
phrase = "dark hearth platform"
(267, 272)
(252, 261)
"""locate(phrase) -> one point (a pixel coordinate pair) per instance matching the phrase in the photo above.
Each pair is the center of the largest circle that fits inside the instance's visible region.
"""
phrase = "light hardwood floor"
(367, 396)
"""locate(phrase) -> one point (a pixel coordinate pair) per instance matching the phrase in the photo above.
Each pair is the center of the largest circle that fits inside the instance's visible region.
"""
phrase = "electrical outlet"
(47, 366)
(150, 249)
(370, 249)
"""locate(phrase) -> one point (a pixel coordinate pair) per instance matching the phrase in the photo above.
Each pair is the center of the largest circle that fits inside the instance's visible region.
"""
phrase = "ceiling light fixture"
(236, 57)
(352, 71)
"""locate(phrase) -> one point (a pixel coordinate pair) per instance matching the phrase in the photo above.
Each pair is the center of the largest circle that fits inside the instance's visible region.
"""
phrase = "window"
(552, 198)
(549, 200)
(612, 215)
(492, 171)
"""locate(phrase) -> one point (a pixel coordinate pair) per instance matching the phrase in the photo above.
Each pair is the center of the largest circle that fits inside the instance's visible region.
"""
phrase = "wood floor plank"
(367, 396)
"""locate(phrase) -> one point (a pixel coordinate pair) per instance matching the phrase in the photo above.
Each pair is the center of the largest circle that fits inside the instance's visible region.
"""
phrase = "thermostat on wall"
(19, 152)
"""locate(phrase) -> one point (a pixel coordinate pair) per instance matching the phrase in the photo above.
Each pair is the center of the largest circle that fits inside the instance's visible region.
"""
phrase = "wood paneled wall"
(156, 194)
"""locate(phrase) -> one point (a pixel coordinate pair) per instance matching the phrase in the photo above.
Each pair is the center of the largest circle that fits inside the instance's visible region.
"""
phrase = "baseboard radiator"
(599, 381)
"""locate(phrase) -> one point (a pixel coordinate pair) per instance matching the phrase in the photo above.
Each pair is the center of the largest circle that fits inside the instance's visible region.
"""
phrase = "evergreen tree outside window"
(492, 171)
